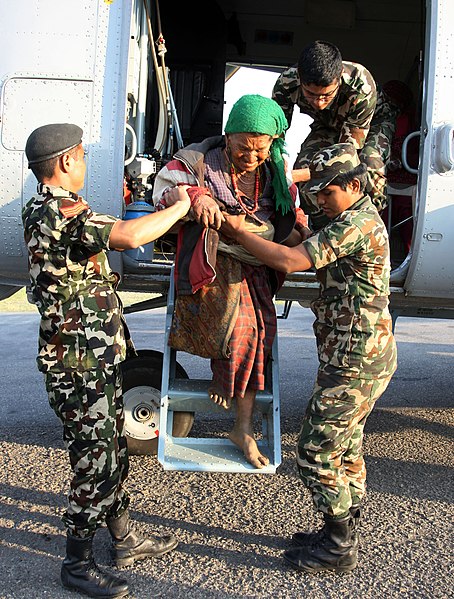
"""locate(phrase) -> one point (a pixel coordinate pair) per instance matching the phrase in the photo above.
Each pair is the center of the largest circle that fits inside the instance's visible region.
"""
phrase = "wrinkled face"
(78, 168)
(333, 200)
(247, 151)
(320, 97)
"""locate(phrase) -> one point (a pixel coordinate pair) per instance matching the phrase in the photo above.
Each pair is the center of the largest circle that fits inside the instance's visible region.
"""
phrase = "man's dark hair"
(45, 169)
(359, 172)
(320, 64)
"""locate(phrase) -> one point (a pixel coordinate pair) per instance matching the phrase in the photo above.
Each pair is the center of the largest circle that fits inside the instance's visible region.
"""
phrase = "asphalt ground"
(233, 528)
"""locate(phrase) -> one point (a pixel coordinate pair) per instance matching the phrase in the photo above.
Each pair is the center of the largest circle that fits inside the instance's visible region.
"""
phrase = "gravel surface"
(233, 527)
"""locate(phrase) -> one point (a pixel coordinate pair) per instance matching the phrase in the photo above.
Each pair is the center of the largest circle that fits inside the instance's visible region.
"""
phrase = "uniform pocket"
(333, 331)
(102, 322)
(65, 348)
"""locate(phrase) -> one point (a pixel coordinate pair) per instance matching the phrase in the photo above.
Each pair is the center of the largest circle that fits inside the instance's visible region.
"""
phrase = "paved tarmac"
(234, 527)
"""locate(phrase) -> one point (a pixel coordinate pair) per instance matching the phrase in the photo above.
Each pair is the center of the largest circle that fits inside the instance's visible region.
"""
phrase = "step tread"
(198, 389)
(211, 455)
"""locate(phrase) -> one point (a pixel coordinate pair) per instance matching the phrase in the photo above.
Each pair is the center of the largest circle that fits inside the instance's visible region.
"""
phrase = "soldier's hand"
(207, 212)
(176, 194)
(300, 175)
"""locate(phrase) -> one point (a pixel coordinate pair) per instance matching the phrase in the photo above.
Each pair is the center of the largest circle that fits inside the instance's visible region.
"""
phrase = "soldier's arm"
(359, 116)
(355, 135)
(130, 234)
(300, 175)
(357, 123)
(283, 92)
(281, 258)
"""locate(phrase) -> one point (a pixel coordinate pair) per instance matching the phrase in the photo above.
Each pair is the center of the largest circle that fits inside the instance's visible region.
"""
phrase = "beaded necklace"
(238, 194)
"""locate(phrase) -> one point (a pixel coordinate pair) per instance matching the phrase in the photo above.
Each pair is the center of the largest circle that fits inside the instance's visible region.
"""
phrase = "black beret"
(50, 141)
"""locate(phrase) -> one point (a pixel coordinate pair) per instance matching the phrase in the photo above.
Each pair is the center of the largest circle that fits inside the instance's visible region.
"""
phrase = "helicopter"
(143, 78)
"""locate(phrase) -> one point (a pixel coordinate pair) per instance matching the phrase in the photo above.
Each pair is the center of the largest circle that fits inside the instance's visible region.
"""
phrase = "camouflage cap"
(50, 141)
(330, 162)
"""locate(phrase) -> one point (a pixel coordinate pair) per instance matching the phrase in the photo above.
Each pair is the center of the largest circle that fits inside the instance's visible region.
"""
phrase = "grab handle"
(406, 166)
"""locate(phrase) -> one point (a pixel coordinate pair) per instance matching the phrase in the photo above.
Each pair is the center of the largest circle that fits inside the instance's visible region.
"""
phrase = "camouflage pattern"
(352, 107)
(328, 163)
(330, 444)
(90, 406)
(356, 350)
(353, 325)
(359, 105)
(72, 284)
(81, 342)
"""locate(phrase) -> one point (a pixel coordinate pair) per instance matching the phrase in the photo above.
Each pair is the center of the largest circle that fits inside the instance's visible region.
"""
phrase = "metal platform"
(212, 454)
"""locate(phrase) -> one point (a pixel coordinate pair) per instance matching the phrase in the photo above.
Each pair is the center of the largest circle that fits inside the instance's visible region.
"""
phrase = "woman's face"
(248, 151)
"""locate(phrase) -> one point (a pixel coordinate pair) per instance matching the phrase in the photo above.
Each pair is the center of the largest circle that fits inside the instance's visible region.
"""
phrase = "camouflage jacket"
(353, 324)
(352, 107)
(72, 284)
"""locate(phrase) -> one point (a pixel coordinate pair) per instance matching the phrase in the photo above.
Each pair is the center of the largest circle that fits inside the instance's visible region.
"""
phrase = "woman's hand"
(207, 212)
(233, 225)
(305, 232)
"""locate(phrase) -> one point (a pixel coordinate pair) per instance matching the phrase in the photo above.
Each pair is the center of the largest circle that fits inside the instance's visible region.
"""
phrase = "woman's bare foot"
(219, 399)
(248, 445)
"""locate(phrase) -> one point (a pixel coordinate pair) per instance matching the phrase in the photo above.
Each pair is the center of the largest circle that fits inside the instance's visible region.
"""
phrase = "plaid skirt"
(252, 337)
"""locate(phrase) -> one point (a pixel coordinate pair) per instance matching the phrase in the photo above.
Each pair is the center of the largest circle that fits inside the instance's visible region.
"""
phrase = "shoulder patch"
(70, 208)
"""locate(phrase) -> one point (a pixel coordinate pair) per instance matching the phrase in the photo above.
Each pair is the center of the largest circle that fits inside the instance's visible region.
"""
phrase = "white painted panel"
(30, 103)
(431, 272)
(62, 61)
(49, 36)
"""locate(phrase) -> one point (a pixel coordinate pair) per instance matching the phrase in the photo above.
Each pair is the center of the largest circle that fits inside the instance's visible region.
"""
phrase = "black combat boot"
(336, 550)
(80, 572)
(129, 547)
(307, 538)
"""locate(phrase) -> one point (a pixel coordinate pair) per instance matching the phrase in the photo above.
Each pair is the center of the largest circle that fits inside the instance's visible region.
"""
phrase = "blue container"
(142, 257)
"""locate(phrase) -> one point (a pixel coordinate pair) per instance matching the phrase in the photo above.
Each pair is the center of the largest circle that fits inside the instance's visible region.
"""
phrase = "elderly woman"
(242, 172)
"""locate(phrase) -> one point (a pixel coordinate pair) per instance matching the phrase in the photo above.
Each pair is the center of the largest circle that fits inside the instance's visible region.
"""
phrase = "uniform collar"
(57, 192)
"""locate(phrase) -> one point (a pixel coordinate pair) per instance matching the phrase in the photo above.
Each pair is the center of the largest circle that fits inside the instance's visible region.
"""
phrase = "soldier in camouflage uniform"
(346, 106)
(356, 349)
(82, 340)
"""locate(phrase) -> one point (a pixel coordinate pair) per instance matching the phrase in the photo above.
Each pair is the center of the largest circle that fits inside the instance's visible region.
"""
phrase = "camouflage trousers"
(375, 154)
(330, 444)
(90, 407)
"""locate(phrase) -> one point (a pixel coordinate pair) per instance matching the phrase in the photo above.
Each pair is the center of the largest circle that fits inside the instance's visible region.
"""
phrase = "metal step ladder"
(211, 454)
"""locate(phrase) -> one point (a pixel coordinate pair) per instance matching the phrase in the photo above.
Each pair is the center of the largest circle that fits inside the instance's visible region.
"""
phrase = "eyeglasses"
(313, 96)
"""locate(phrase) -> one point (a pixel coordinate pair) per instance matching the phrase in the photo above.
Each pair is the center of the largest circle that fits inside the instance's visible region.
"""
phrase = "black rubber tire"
(146, 370)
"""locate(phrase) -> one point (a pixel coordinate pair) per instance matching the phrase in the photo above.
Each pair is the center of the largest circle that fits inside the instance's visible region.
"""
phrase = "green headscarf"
(256, 114)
